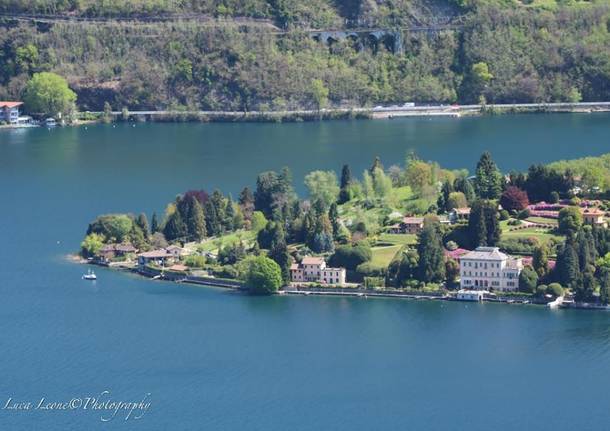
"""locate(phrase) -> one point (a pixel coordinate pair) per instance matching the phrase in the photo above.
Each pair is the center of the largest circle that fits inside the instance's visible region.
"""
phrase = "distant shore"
(353, 113)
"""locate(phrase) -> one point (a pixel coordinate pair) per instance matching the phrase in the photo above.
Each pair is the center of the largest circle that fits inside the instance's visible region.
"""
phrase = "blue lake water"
(217, 360)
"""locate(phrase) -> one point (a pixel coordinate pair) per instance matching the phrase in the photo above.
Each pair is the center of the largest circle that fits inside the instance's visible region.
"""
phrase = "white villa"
(487, 268)
(314, 269)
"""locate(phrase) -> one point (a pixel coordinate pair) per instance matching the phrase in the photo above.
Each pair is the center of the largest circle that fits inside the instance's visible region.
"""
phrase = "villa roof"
(155, 254)
(413, 220)
(294, 266)
(464, 210)
(485, 253)
(592, 211)
(5, 104)
(311, 260)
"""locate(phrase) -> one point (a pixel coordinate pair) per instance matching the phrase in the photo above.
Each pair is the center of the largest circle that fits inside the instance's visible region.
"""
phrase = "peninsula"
(417, 230)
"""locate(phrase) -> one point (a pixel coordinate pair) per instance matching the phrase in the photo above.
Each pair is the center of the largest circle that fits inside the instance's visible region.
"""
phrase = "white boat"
(90, 275)
(50, 122)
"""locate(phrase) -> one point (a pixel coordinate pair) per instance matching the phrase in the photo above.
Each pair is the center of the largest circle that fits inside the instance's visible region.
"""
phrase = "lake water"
(217, 360)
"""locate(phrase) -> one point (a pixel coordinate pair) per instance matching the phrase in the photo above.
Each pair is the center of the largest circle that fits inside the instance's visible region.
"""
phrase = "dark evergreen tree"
(376, 165)
(528, 280)
(568, 266)
(246, 202)
(443, 198)
(346, 181)
(483, 224)
(175, 228)
(333, 215)
(142, 222)
(229, 215)
(195, 223)
(489, 180)
(154, 224)
(431, 255)
(279, 252)
(464, 185)
(604, 288)
(477, 226)
(212, 221)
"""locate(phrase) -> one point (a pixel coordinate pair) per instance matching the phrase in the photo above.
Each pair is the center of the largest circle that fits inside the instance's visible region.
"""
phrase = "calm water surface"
(216, 360)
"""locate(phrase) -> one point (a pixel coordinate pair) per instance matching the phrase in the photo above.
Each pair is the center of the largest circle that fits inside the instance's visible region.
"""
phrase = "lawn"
(543, 235)
(398, 238)
(542, 220)
(382, 256)
(213, 244)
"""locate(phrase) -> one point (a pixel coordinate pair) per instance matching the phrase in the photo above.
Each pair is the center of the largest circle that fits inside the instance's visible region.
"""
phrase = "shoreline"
(338, 292)
(296, 116)
(452, 111)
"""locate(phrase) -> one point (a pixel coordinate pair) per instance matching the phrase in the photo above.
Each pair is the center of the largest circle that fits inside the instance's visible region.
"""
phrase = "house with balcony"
(314, 270)
(9, 112)
(594, 217)
(487, 268)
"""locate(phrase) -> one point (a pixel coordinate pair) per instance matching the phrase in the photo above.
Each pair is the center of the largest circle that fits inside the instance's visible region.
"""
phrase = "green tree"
(263, 275)
(175, 228)
(258, 221)
(604, 288)
(483, 224)
(142, 222)
(488, 178)
(91, 245)
(528, 280)
(319, 93)
(540, 261)
(456, 200)
(114, 227)
(279, 253)
(195, 222)
(154, 223)
(107, 117)
(568, 266)
(570, 220)
(47, 93)
(431, 255)
(323, 187)
(346, 181)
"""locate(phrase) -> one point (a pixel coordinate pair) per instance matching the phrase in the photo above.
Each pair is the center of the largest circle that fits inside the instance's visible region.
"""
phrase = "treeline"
(501, 55)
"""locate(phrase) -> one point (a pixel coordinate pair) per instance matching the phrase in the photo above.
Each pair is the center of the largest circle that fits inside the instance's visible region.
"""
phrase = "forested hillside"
(497, 51)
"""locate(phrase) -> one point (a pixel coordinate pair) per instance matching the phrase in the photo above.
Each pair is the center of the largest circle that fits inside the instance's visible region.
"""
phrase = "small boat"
(50, 122)
(90, 275)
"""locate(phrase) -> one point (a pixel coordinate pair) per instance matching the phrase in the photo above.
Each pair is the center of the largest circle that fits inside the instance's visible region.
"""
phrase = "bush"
(195, 261)
(451, 245)
(368, 269)
(523, 214)
(504, 215)
(350, 257)
(519, 245)
(227, 271)
(555, 289)
(263, 276)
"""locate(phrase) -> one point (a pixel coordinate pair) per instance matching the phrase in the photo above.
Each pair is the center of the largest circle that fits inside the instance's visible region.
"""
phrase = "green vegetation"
(348, 223)
(540, 51)
(263, 276)
(47, 93)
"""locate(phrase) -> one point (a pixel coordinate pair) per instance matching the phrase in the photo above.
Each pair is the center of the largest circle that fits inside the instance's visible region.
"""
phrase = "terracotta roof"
(155, 254)
(294, 266)
(457, 253)
(178, 267)
(465, 210)
(311, 260)
(10, 104)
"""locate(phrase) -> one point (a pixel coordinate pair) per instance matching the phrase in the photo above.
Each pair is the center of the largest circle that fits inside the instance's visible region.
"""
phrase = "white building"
(486, 268)
(9, 112)
(314, 269)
